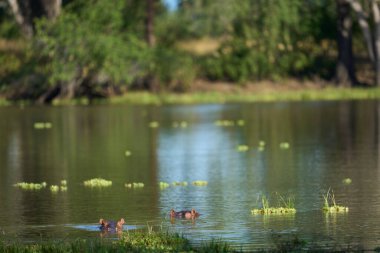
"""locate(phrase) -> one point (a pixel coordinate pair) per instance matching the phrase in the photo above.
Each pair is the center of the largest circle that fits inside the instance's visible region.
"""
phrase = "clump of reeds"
(284, 145)
(164, 185)
(97, 182)
(134, 185)
(200, 183)
(30, 186)
(285, 206)
(242, 148)
(42, 125)
(330, 204)
(175, 183)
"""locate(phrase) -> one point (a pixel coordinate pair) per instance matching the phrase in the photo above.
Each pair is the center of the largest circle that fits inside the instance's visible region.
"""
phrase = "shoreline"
(221, 94)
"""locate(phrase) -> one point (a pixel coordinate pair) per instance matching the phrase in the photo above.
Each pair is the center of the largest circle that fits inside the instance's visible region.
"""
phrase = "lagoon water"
(329, 141)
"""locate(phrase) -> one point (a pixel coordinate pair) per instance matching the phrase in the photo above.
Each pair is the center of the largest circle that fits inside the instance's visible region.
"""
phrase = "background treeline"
(97, 48)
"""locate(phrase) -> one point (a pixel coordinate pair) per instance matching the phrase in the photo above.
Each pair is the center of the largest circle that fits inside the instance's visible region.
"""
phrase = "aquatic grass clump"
(97, 182)
(134, 185)
(261, 146)
(284, 145)
(42, 125)
(164, 185)
(347, 181)
(330, 205)
(128, 153)
(63, 182)
(224, 123)
(200, 183)
(175, 183)
(30, 186)
(242, 148)
(154, 124)
(285, 206)
(54, 188)
(240, 122)
(182, 124)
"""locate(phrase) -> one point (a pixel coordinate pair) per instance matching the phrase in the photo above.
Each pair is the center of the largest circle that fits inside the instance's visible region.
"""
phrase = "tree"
(345, 72)
(26, 11)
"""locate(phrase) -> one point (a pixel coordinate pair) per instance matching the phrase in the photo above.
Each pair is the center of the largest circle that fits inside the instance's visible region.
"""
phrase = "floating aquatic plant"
(284, 145)
(97, 182)
(242, 148)
(30, 186)
(42, 125)
(54, 188)
(200, 183)
(134, 185)
(175, 183)
(240, 122)
(63, 182)
(154, 124)
(347, 181)
(128, 153)
(182, 124)
(330, 204)
(164, 185)
(224, 123)
(63, 188)
(286, 206)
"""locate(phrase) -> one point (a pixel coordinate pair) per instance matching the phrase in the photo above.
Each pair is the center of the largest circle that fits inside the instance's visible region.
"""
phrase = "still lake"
(329, 141)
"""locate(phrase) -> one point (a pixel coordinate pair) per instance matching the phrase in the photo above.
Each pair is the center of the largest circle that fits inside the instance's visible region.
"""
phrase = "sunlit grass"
(200, 183)
(175, 183)
(285, 206)
(97, 182)
(242, 148)
(347, 181)
(284, 145)
(164, 185)
(30, 186)
(329, 204)
(54, 188)
(134, 185)
(154, 124)
(43, 125)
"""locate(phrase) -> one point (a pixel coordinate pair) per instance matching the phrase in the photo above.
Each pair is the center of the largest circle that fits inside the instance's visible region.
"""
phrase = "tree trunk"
(376, 19)
(149, 33)
(25, 11)
(363, 23)
(345, 73)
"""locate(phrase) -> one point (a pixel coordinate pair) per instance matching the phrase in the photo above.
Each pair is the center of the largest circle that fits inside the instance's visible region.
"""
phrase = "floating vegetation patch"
(330, 204)
(97, 182)
(128, 153)
(200, 183)
(347, 181)
(134, 185)
(63, 188)
(242, 148)
(285, 206)
(42, 125)
(225, 123)
(164, 185)
(182, 124)
(284, 145)
(261, 146)
(154, 124)
(175, 183)
(54, 188)
(63, 182)
(240, 122)
(30, 186)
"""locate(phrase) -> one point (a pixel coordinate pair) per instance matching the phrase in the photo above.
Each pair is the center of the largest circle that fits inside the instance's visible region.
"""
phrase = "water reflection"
(328, 141)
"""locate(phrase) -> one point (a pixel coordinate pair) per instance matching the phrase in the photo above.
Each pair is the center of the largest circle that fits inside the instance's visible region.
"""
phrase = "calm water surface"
(329, 141)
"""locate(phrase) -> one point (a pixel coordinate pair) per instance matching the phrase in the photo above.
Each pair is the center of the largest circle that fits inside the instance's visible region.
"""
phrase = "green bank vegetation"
(74, 52)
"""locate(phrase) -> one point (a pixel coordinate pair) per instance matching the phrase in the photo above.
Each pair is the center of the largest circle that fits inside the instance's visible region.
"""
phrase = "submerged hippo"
(187, 214)
(111, 225)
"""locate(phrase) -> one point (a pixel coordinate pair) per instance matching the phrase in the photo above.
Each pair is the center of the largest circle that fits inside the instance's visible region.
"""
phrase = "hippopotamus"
(111, 225)
(187, 214)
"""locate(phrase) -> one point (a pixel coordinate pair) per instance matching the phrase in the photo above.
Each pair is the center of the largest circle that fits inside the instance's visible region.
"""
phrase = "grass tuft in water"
(30, 186)
(242, 148)
(284, 145)
(54, 188)
(347, 181)
(42, 125)
(200, 183)
(154, 124)
(163, 185)
(329, 204)
(97, 182)
(134, 185)
(175, 183)
(285, 206)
